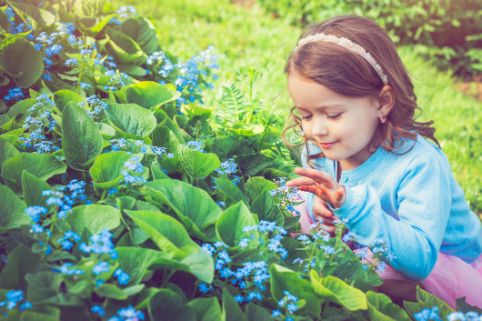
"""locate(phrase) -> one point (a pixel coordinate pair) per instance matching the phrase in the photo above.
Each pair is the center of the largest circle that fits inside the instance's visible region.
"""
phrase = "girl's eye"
(307, 117)
(334, 116)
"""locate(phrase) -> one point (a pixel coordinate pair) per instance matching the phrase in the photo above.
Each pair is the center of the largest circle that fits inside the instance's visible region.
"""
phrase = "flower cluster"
(14, 299)
(188, 76)
(288, 305)
(58, 204)
(138, 146)
(228, 168)
(101, 251)
(468, 316)
(289, 197)
(133, 170)
(14, 94)
(267, 236)
(13, 26)
(128, 314)
(39, 126)
(250, 278)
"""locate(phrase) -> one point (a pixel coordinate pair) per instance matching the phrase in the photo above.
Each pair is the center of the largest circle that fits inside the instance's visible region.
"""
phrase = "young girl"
(368, 163)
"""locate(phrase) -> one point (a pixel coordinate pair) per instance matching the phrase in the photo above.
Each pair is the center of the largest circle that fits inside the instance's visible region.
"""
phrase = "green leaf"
(43, 166)
(12, 210)
(256, 185)
(231, 223)
(22, 63)
(232, 193)
(168, 305)
(256, 312)
(143, 32)
(207, 309)
(94, 218)
(333, 289)
(285, 279)
(131, 119)
(430, 300)
(196, 164)
(166, 232)
(149, 94)
(381, 307)
(231, 309)
(21, 107)
(266, 208)
(7, 150)
(81, 138)
(111, 291)
(20, 262)
(124, 48)
(32, 188)
(64, 97)
(41, 314)
(193, 206)
(43, 287)
(106, 171)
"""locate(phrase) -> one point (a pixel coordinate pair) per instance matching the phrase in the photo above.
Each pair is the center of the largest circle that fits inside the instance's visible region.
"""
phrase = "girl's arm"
(424, 203)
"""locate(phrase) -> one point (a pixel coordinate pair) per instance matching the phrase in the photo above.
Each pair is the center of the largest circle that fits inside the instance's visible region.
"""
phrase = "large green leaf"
(64, 97)
(20, 262)
(6, 150)
(149, 94)
(195, 164)
(206, 309)
(333, 289)
(143, 32)
(230, 224)
(21, 62)
(136, 261)
(32, 188)
(381, 307)
(166, 232)
(94, 218)
(256, 312)
(193, 206)
(12, 210)
(285, 279)
(43, 166)
(256, 185)
(81, 138)
(168, 305)
(43, 287)
(232, 193)
(231, 309)
(131, 119)
(106, 171)
(124, 48)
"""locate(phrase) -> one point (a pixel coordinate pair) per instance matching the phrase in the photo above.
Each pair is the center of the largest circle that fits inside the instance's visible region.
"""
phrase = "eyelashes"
(334, 116)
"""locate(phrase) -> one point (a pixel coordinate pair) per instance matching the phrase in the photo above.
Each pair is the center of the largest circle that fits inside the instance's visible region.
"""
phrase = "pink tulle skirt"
(450, 279)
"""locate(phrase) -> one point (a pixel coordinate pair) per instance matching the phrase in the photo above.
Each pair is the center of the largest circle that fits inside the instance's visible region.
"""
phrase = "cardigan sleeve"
(424, 202)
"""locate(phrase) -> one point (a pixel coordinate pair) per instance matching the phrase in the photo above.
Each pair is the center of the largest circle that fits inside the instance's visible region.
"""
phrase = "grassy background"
(249, 38)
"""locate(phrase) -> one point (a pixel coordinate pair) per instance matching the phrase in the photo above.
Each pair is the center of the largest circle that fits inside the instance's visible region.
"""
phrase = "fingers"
(310, 176)
(317, 176)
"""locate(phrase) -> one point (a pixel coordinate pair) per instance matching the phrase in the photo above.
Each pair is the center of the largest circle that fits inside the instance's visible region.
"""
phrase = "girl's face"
(343, 127)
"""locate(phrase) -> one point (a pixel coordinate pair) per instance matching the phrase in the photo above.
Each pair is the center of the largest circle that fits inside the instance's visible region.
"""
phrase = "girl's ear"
(386, 99)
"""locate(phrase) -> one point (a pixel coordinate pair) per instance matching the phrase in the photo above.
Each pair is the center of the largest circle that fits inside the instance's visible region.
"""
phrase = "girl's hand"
(320, 184)
(320, 209)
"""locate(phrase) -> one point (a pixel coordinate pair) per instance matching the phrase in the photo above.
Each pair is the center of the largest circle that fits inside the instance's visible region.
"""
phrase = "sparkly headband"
(348, 44)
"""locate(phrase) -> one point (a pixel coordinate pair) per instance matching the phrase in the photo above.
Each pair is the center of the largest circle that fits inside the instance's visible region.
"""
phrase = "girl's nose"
(319, 128)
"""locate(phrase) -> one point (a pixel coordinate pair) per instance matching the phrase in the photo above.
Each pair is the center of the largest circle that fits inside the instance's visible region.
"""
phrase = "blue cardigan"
(411, 201)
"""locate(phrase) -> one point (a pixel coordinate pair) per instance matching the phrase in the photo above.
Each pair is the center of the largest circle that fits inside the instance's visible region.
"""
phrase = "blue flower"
(122, 277)
(101, 267)
(98, 309)
(128, 314)
(13, 94)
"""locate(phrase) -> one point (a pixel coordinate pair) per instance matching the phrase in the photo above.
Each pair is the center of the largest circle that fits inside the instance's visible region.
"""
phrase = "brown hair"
(347, 73)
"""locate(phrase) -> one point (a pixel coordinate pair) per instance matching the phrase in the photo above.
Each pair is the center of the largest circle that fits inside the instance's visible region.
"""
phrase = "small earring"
(383, 119)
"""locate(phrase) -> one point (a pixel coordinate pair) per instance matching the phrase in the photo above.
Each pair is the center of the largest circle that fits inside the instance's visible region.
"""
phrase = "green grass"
(249, 38)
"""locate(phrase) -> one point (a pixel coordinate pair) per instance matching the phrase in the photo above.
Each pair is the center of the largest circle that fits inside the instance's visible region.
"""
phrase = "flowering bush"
(122, 197)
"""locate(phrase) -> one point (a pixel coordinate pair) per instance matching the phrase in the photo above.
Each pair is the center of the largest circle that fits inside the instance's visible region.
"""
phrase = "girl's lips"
(327, 145)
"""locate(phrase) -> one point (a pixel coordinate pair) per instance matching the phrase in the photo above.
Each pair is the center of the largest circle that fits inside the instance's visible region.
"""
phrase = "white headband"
(348, 44)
